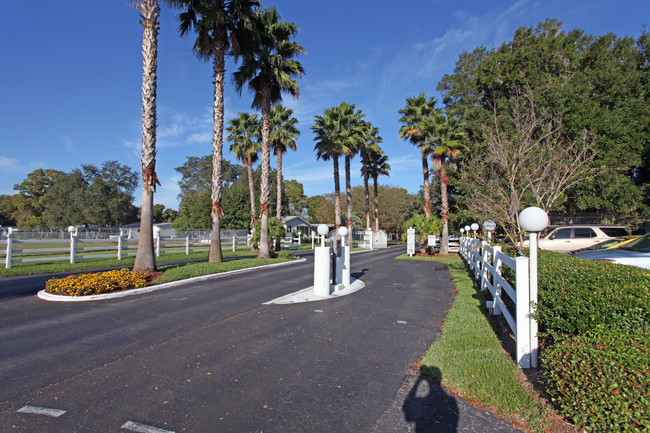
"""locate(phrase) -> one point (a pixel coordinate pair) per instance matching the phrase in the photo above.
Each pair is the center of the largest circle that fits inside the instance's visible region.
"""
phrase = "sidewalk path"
(210, 357)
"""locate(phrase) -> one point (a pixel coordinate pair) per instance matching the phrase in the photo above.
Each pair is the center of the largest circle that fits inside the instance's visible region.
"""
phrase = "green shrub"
(96, 283)
(600, 382)
(285, 255)
(578, 296)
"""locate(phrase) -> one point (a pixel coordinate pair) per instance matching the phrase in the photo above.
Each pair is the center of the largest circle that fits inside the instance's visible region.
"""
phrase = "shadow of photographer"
(429, 407)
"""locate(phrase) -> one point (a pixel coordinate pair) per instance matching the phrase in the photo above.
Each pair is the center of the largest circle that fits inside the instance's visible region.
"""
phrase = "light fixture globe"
(533, 219)
(467, 228)
(343, 231)
(462, 231)
(474, 226)
(323, 229)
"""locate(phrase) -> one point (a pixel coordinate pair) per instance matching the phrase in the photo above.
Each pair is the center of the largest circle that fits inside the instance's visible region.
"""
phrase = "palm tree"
(284, 134)
(370, 143)
(145, 259)
(325, 128)
(377, 166)
(269, 68)
(414, 115)
(449, 142)
(244, 135)
(220, 25)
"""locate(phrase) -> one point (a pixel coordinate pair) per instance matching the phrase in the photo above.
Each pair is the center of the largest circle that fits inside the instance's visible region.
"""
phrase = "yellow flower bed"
(94, 284)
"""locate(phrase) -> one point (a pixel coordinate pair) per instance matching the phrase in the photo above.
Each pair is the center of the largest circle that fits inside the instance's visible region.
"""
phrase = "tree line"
(552, 119)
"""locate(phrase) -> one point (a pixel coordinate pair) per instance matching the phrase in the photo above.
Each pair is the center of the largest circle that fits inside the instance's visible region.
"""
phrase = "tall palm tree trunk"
(215, 254)
(375, 182)
(251, 190)
(366, 190)
(337, 193)
(348, 193)
(444, 242)
(145, 260)
(278, 205)
(427, 186)
(266, 168)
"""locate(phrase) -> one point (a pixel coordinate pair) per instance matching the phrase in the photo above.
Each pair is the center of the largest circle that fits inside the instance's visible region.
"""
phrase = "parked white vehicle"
(571, 238)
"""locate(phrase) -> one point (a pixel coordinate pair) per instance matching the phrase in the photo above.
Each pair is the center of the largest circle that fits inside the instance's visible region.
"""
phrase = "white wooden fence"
(114, 247)
(487, 263)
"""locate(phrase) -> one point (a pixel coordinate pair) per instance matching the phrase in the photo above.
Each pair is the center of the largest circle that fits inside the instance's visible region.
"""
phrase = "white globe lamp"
(533, 220)
(322, 231)
(343, 232)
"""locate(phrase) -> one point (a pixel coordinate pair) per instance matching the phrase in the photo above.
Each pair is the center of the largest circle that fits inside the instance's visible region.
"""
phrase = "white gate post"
(73, 243)
(10, 244)
(156, 233)
(522, 288)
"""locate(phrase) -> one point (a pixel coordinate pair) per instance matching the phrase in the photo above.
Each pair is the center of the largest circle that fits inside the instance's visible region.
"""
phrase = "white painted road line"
(55, 413)
(143, 428)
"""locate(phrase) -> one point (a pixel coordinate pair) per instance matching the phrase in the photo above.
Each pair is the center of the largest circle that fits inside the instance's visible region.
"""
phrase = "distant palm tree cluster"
(439, 136)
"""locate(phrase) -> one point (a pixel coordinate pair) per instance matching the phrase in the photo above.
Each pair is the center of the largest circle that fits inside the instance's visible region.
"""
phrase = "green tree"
(219, 25)
(244, 135)
(369, 143)
(196, 174)
(29, 202)
(194, 212)
(7, 209)
(158, 212)
(449, 144)
(296, 196)
(269, 68)
(169, 215)
(145, 259)
(594, 90)
(284, 134)
(416, 113)
(377, 166)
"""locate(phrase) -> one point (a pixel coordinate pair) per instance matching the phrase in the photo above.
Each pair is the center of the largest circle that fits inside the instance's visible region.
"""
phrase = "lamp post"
(343, 261)
(322, 265)
(461, 232)
(533, 220)
(474, 228)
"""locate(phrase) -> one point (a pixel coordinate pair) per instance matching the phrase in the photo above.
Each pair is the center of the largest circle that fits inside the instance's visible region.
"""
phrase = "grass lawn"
(468, 357)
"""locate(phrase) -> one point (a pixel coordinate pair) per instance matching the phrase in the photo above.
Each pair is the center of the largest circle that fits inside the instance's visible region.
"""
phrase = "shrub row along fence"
(508, 281)
(116, 246)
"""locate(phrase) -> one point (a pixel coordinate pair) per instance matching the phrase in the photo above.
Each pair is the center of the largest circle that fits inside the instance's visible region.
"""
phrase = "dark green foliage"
(577, 296)
(594, 318)
(600, 382)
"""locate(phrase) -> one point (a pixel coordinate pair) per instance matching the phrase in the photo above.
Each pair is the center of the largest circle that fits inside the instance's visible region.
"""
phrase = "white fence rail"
(488, 262)
(117, 247)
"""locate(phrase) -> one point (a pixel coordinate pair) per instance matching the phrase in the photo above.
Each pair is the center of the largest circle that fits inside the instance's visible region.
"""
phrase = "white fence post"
(10, 243)
(496, 263)
(234, 240)
(522, 288)
(73, 245)
(156, 232)
(187, 245)
(119, 247)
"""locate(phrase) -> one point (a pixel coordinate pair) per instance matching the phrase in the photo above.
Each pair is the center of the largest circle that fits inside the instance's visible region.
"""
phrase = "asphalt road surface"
(209, 357)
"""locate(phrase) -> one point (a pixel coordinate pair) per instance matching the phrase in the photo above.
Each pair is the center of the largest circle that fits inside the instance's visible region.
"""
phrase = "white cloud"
(9, 164)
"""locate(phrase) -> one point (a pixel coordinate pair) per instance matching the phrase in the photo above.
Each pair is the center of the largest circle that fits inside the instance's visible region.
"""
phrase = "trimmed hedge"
(601, 382)
(96, 283)
(577, 296)
(594, 321)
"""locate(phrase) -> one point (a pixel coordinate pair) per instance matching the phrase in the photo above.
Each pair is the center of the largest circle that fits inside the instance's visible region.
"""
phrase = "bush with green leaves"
(577, 296)
(600, 382)
(594, 321)
(276, 230)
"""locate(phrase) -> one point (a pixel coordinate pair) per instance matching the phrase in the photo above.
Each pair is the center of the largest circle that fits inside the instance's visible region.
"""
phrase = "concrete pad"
(307, 295)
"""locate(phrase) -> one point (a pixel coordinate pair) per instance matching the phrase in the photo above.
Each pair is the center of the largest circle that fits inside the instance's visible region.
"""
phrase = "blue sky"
(72, 70)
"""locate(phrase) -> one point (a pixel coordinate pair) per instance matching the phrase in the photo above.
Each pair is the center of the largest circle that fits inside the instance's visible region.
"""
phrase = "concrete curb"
(61, 298)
